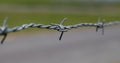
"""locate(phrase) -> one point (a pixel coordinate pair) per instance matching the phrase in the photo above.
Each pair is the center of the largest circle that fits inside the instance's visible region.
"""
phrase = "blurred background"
(53, 11)
(77, 46)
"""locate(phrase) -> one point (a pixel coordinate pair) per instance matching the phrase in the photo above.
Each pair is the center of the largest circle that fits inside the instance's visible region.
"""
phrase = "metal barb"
(100, 25)
(61, 28)
(5, 22)
(103, 26)
(62, 22)
(4, 30)
(2, 41)
(61, 35)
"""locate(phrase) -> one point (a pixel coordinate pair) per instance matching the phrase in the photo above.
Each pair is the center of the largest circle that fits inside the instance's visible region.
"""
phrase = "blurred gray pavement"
(77, 46)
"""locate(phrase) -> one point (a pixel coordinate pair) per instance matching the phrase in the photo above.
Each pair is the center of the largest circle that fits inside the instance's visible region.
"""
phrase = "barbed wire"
(4, 30)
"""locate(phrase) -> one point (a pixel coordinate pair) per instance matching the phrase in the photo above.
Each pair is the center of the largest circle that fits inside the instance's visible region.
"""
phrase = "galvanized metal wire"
(4, 30)
(58, 27)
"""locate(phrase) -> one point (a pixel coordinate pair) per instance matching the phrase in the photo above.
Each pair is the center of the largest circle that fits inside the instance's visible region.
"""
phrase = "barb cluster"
(4, 30)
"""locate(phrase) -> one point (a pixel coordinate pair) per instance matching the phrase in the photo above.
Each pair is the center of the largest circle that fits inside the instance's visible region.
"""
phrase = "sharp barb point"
(5, 21)
(61, 35)
(62, 22)
(2, 41)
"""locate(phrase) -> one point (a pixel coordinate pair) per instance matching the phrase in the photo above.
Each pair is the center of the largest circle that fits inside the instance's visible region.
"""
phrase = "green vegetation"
(53, 11)
(56, 2)
(16, 19)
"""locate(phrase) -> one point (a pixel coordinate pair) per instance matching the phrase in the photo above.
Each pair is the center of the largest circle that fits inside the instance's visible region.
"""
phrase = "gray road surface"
(77, 46)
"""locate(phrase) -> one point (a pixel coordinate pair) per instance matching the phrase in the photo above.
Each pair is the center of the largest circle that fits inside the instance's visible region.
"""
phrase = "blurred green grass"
(15, 19)
(53, 11)
(58, 2)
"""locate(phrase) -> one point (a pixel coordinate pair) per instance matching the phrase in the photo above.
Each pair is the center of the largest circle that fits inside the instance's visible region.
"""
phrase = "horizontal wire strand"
(56, 27)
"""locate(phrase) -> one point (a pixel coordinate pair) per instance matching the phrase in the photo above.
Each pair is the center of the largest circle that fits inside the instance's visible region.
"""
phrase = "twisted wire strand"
(4, 30)
(32, 25)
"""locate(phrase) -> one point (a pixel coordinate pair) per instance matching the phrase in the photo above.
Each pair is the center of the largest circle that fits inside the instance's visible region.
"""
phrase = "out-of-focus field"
(53, 11)
(77, 46)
